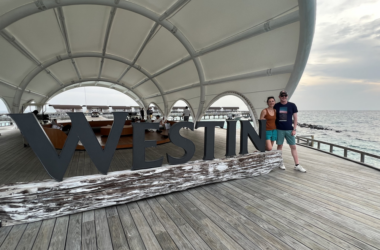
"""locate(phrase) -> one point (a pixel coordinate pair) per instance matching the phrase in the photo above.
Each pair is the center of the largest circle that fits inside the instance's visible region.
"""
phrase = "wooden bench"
(58, 138)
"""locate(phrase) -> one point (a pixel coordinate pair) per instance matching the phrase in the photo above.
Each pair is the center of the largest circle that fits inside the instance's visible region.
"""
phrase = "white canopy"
(154, 51)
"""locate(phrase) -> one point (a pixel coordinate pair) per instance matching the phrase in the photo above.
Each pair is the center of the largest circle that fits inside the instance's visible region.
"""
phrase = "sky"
(93, 96)
(343, 70)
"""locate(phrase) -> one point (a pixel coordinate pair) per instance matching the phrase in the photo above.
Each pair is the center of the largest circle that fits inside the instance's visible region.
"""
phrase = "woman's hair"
(271, 97)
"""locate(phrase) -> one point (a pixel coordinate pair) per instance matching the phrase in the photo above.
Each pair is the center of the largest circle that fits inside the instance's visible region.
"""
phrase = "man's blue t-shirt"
(284, 114)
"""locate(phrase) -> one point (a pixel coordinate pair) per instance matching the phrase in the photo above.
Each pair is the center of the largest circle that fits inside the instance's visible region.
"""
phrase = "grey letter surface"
(248, 131)
(56, 165)
(231, 138)
(182, 142)
(209, 142)
(100, 157)
(139, 145)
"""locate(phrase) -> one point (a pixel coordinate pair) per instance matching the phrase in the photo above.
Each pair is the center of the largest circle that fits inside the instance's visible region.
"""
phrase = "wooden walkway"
(335, 205)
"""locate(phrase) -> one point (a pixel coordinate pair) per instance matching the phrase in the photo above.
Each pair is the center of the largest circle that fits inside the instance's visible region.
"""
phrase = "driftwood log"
(34, 201)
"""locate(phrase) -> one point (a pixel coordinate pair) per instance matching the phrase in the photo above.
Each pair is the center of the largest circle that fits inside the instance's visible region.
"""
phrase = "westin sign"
(57, 164)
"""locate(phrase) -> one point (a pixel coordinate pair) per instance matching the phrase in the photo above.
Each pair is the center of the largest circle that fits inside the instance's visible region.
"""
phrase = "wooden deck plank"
(244, 210)
(342, 219)
(226, 239)
(72, 168)
(58, 239)
(304, 220)
(130, 229)
(348, 182)
(175, 233)
(181, 223)
(333, 203)
(220, 222)
(297, 206)
(88, 231)
(44, 235)
(231, 217)
(13, 237)
(280, 221)
(198, 222)
(119, 241)
(81, 163)
(103, 237)
(74, 234)
(367, 203)
(87, 164)
(4, 231)
(142, 225)
(163, 237)
(29, 236)
(13, 167)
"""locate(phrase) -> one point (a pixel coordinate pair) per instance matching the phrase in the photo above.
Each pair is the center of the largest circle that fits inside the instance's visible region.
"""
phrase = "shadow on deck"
(335, 205)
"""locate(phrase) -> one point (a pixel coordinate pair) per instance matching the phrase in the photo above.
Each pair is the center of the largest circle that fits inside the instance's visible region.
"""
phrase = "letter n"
(246, 131)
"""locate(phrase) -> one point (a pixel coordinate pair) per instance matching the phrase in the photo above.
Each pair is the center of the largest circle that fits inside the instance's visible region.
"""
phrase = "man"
(160, 121)
(285, 111)
(150, 112)
(186, 114)
(142, 113)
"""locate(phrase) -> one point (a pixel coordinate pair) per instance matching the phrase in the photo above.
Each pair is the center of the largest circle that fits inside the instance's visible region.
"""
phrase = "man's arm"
(294, 123)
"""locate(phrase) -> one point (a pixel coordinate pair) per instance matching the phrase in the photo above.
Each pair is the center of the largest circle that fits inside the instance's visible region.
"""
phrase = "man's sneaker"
(300, 168)
(282, 166)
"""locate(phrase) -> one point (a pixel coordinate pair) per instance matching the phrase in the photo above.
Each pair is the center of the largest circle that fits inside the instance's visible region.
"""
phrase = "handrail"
(332, 145)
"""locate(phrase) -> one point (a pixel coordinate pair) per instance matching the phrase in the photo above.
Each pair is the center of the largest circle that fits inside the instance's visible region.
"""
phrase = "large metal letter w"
(56, 165)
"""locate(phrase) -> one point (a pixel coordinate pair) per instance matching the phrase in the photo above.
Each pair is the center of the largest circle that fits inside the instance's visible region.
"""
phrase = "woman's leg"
(268, 145)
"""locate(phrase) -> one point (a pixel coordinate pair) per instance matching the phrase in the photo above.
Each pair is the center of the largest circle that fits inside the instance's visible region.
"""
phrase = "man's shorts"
(271, 135)
(186, 118)
(281, 134)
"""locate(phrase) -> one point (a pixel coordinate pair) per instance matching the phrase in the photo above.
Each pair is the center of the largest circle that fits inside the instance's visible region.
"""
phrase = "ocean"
(357, 129)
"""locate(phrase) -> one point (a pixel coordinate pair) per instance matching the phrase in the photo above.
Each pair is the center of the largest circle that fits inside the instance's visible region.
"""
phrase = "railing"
(306, 142)
(363, 154)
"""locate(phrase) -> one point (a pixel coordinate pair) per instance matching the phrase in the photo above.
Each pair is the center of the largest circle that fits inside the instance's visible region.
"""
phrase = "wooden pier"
(335, 205)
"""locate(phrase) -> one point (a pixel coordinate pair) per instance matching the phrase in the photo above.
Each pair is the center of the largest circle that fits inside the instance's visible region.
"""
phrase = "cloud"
(344, 60)
(337, 95)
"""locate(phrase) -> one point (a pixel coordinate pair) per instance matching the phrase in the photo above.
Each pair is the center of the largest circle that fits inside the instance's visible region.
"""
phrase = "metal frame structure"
(6, 104)
(246, 101)
(55, 92)
(305, 14)
(157, 106)
(185, 101)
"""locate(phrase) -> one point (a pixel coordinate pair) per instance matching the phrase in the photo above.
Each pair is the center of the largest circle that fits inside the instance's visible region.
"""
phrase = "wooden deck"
(335, 205)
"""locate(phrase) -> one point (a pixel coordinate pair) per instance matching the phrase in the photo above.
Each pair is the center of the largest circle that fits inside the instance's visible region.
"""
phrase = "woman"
(269, 114)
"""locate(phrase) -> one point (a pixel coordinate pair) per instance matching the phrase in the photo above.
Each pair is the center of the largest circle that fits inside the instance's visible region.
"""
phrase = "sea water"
(358, 130)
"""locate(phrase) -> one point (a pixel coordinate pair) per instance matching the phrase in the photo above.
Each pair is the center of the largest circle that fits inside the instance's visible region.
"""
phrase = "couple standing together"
(280, 126)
